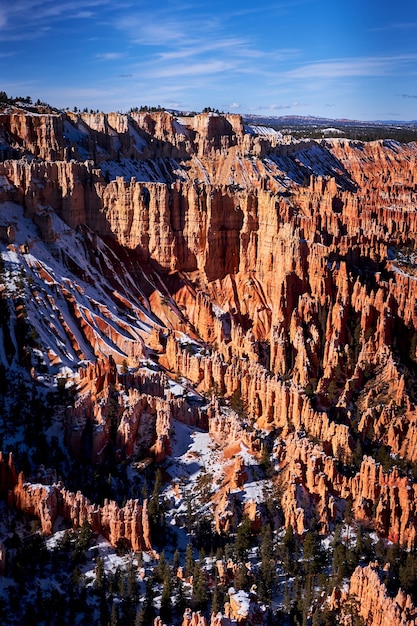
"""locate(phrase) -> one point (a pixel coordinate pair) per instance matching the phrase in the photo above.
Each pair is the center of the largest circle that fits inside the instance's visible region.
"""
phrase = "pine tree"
(114, 619)
(132, 585)
(121, 583)
(267, 577)
(408, 575)
(180, 600)
(100, 581)
(199, 596)
(140, 618)
(104, 611)
(313, 552)
(289, 551)
(148, 608)
(241, 578)
(215, 601)
(175, 562)
(166, 603)
(189, 560)
(159, 570)
(243, 539)
(155, 509)
(82, 542)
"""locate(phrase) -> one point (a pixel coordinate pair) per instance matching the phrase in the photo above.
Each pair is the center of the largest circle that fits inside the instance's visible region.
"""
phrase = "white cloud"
(396, 26)
(365, 66)
(30, 19)
(147, 29)
(109, 56)
(201, 69)
(232, 45)
(235, 105)
(39, 10)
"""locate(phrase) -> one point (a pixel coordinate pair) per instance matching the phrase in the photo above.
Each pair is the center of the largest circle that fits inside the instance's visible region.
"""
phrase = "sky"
(355, 59)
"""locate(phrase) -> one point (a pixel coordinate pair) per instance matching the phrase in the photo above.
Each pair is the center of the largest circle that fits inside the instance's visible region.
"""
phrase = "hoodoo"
(208, 341)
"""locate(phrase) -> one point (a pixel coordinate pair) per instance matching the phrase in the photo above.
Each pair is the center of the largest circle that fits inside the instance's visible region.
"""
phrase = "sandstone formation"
(190, 269)
(314, 482)
(372, 602)
(196, 619)
(243, 608)
(48, 501)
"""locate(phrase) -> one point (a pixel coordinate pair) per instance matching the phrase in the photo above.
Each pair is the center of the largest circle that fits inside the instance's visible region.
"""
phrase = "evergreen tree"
(155, 509)
(243, 539)
(166, 603)
(267, 577)
(241, 581)
(159, 570)
(180, 600)
(215, 601)
(132, 585)
(148, 612)
(120, 582)
(114, 619)
(199, 596)
(313, 553)
(189, 560)
(175, 562)
(104, 611)
(289, 551)
(100, 581)
(408, 575)
(344, 559)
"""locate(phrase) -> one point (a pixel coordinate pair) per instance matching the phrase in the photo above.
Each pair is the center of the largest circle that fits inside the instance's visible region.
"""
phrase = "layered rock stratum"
(189, 270)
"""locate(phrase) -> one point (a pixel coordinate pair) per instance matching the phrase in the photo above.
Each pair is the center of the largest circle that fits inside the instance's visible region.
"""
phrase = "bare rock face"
(196, 619)
(193, 619)
(72, 189)
(47, 502)
(372, 602)
(37, 500)
(243, 608)
(138, 403)
(277, 278)
(40, 135)
(382, 498)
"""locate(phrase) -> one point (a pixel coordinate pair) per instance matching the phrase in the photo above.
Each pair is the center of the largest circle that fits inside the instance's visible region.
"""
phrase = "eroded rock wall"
(368, 597)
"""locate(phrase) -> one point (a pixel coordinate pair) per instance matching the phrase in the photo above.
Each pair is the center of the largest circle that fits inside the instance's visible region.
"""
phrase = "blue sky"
(354, 59)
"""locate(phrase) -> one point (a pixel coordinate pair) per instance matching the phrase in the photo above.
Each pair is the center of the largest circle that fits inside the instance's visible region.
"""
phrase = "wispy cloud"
(232, 45)
(190, 69)
(396, 26)
(365, 66)
(18, 19)
(153, 29)
(183, 51)
(109, 56)
(39, 10)
(270, 8)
